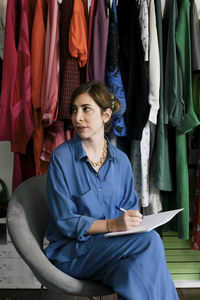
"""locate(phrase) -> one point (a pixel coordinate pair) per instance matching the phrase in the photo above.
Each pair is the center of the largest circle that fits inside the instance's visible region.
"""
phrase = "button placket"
(100, 183)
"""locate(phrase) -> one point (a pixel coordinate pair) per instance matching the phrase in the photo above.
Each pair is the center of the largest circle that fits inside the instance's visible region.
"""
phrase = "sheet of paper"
(149, 222)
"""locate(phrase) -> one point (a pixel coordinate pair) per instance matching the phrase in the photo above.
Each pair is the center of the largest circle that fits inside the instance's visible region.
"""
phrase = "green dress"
(183, 42)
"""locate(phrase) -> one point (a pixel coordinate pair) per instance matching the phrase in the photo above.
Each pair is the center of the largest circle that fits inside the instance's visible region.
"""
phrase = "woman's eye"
(86, 109)
(73, 110)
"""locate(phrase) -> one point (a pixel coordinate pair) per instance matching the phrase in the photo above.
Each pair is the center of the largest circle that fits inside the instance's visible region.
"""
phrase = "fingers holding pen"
(131, 218)
(127, 220)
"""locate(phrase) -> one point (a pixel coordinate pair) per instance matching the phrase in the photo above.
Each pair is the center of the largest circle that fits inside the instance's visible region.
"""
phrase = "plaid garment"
(69, 69)
(55, 135)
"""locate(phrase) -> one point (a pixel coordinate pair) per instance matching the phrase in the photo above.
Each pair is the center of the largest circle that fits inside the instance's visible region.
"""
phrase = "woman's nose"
(79, 116)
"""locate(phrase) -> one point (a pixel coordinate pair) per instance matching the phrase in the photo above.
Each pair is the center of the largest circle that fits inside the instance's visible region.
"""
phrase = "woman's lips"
(80, 128)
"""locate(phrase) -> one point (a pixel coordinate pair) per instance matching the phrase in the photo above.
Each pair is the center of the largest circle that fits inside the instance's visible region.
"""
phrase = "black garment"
(195, 37)
(133, 69)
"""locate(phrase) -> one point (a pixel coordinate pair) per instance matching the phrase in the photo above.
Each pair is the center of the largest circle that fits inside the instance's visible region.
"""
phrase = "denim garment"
(133, 265)
(78, 195)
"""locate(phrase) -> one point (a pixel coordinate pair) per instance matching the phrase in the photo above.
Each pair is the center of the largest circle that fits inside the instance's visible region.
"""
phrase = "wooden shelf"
(183, 262)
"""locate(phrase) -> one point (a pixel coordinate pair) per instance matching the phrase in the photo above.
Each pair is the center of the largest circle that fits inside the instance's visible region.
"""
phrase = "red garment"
(54, 136)
(24, 167)
(37, 62)
(37, 51)
(15, 108)
(195, 242)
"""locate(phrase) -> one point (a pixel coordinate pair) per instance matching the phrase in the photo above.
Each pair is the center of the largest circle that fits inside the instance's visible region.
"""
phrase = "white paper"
(149, 222)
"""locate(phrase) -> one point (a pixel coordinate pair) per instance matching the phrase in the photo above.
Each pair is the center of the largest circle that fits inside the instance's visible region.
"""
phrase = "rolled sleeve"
(62, 208)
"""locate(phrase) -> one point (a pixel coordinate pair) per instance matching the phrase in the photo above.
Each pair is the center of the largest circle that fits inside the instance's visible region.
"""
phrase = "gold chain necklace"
(103, 156)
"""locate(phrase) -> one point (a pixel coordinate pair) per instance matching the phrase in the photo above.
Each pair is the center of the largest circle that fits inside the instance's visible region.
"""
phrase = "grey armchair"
(27, 219)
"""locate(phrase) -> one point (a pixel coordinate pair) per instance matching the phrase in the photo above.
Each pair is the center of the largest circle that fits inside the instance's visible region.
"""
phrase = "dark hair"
(100, 94)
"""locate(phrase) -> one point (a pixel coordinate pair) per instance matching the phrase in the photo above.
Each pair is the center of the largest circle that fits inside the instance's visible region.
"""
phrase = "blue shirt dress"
(77, 196)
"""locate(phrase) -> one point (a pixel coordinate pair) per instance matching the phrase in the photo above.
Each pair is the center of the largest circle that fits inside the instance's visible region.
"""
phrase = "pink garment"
(15, 106)
(50, 81)
(99, 41)
(55, 135)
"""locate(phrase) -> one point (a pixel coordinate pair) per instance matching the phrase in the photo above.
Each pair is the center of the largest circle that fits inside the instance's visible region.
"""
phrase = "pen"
(120, 208)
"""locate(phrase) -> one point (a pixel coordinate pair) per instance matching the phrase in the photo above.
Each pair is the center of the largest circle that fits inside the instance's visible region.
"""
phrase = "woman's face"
(87, 117)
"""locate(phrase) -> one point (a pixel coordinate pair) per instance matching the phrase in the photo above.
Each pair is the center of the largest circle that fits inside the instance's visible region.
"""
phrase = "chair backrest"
(29, 203)
(27, 219)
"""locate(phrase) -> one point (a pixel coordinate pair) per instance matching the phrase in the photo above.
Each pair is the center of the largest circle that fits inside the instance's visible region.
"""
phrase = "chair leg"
(40, 294)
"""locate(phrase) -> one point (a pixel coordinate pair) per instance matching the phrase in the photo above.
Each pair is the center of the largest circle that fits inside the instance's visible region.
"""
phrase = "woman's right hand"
(128, 220)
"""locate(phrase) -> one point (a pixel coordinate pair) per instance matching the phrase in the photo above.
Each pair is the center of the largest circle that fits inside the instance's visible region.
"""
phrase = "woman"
(87, 178)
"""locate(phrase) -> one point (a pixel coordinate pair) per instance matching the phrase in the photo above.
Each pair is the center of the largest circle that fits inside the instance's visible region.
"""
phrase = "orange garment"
(37, 58)
(78, 33)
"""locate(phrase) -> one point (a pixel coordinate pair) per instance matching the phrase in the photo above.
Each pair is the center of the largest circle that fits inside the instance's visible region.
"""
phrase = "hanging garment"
(195, 240)
(154, 66)
(164, 176)
(3, 6)
(136, 166)
(155, 201)
(23, 166)
(37, 63)
(78, 33)
(174, 107)
(1, 67)
(143, 7)
(195, 46)
(196, 93)
(69, 69)
(50, 77)
(90, 34)
(114, 80)
(133, 69)
(143, 170)
(54, 136)
(97, 40)
(15, 106)
(183, 42)
(195, 37)
(181, 193)
(195, 42)
(190, 118)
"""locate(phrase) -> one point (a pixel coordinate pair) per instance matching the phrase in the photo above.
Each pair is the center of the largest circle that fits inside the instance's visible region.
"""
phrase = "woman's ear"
(107, 115)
